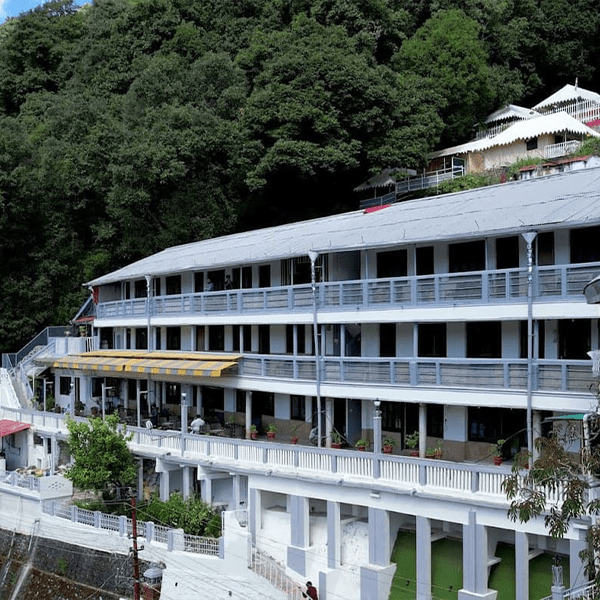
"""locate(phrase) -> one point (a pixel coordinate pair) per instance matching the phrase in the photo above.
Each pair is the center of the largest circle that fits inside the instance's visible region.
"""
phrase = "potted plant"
(412, 442)
(50, 402)
(362, 444)
(336, 440)
(253, 432)
(294, 434)
(430, 453)
(438, 449)
(497, 456)
(271, 430)
(387, 444)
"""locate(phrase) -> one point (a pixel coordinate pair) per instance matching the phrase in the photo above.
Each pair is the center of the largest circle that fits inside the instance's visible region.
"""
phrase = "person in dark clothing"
(311, 591)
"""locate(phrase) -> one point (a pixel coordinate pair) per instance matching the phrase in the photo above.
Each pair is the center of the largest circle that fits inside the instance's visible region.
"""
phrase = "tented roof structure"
(559, 122)
(511, 111)
(568, 93)
(564, 200)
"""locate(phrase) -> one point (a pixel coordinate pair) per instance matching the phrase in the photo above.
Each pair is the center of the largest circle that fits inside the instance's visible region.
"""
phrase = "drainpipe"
(529, 237)
(313, 284)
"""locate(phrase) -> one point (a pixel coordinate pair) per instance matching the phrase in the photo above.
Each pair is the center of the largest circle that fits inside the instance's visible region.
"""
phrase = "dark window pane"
(297, 408)
(264, 339)
(387, 339)
(424, 257)
(484, 340)
(140, 288)
(216, 338)
(264, 276)
(432, 340)
(392, 264)
(585, 245)
(466, 256)
(173, 285)
(173, 338)
(574, 339)
(507, 253)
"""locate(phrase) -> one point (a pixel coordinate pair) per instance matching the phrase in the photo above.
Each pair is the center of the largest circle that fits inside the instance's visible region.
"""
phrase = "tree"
(561, 485)
(102, 460)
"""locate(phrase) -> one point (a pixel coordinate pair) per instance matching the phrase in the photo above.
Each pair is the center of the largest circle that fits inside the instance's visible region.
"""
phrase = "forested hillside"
(130, 125)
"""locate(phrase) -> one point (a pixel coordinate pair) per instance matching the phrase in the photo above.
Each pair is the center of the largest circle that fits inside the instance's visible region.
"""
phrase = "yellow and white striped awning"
(184, 364)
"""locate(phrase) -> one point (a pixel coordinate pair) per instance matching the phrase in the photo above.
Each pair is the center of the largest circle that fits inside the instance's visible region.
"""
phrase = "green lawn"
(447, 570)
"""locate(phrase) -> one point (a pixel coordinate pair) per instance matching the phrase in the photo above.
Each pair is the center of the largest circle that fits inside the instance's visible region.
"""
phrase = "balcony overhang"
(185, 364)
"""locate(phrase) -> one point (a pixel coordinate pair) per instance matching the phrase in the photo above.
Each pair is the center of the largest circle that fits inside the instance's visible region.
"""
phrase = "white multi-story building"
(458, 316)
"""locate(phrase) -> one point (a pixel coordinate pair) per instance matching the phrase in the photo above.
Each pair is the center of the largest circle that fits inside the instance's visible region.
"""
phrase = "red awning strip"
(7, 427)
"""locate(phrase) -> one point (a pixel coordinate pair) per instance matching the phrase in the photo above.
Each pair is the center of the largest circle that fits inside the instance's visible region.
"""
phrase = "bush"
(192, 515)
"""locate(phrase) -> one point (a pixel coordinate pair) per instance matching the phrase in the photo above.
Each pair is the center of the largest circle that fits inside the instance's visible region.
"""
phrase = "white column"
(521, 566)
(423, 558)
(422, 430)
(138, 390)
(379, 538)
(334, 535)
(186, 482)
(328, 421)
(248, 413)
(164, 486)
(140, 486)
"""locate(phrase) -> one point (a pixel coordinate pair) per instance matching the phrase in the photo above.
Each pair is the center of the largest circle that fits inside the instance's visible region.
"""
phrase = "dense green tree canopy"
(131, 125)
(101, 457)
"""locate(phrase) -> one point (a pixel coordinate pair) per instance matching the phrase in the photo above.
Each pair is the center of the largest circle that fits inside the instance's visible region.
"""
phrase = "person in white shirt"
(197, 424)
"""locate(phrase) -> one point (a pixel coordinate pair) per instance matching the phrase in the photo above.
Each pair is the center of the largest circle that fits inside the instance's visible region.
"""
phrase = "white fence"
(175, 539)
(274, 573)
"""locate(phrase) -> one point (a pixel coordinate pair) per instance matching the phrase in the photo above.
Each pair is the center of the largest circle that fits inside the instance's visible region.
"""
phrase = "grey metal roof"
(511, 111)
(564, 200)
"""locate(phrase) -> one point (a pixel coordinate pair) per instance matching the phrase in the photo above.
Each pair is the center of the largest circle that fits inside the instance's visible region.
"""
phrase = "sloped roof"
(563, 200)
(511, 111)
(546, 124)
(523, 130)
(568, 93)
(383, 179)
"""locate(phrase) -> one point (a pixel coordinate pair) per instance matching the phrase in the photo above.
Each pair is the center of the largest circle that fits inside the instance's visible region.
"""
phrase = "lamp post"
(377, 427)
(313, 284)
(529, 237)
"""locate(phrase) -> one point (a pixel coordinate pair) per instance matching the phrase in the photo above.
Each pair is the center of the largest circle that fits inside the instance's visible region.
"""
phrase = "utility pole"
(136, 564)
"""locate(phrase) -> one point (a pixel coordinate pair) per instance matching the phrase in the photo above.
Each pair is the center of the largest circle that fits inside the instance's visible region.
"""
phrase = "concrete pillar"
(248, 413)
(186, 482)
(53, 454)
(422, 429)
(254, 512)
(576, 565)
(164, 491)
(521, 566)
(334, 535)
(138, 390)
(423, 559)
(299, 533)
(475, 562)
(379, 538)
(237, 492)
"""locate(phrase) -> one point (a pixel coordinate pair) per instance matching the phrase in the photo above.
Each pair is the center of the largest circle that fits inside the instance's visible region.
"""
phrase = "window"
(173, 338)
(297, 408)
(200, 333)
(217, 278)
(289, 339)
(240, 401)
(264, 339)
(246, 277)
(544, 242)
(141, 338)
(235, 341)
(157, 288)
(574, 339)
(424, 258)
(432, 340)
(173, 393)
(435, 420)
(158, 339)
(65, 386)
(139, 289)
(264, 276)
(173, 285)
(484, 340)
(493, 424)
(532, 144)
(216, 338)
(264, 402)
(392, 264)
(392, 416)
(387, 339)
(507, 252)
(198, 282)
(247, 333)
(585, 245)
(466, 256)
(127, 290)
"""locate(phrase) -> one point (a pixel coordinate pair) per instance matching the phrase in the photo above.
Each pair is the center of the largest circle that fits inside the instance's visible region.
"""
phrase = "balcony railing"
(508, 374)
(553, 283)
(562, 149)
